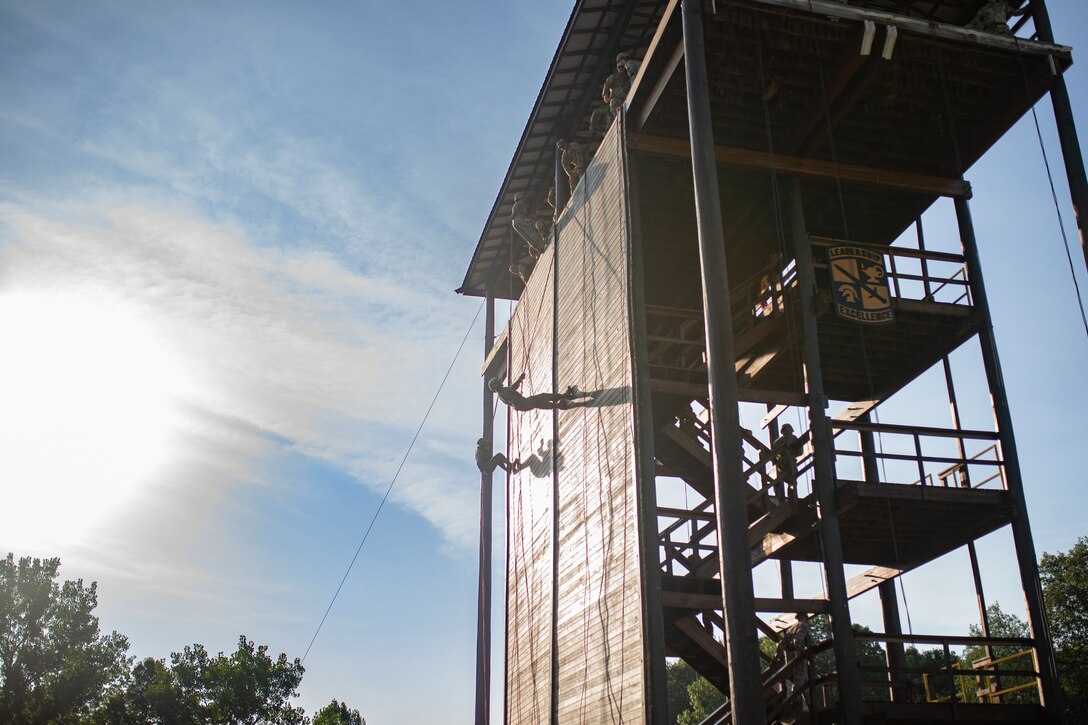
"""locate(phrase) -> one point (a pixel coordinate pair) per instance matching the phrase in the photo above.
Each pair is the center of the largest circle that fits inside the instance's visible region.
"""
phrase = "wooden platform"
(900, 526)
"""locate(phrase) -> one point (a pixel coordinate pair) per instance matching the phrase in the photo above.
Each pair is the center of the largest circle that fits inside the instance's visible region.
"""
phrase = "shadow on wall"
(540, 463)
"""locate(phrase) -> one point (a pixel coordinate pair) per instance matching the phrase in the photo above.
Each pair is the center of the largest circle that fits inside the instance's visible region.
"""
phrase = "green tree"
(153, 696)
(337, 713)
(1003, 624)
(55, 666)
(705, 698)
(246, 687)
(678, 675)
(1065, 590)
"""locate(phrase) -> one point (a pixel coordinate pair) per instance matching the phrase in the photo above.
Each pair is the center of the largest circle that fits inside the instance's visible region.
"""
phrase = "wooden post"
(889, 600)
(483, 606)
(730, 488)
(1049, 693)
(1067, 131)
(842, 632)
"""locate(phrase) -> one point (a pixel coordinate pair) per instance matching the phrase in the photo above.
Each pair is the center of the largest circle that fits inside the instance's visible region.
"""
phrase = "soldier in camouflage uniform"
(784, 450)
(615, 88)
(487, 463)
(599, 121)
(510, 395)
(994, 16)
(521, 218)
(791, 648)
(573, 160)
(629, 64)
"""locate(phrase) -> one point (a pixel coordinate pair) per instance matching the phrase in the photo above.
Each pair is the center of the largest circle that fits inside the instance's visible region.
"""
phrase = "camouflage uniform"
(615, 88)
(600, 120)
(510, 395)
(784, 450)
(631, 66)
(994, 18)
(793, 644)
(573, 161)
(521, 218)
(487, 463)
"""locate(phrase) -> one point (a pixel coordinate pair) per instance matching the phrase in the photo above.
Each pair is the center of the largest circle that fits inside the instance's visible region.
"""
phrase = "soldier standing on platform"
(993, 17)
(784, 450)
(629, 64)
(521, 218)
(573, 160)
(615, 88)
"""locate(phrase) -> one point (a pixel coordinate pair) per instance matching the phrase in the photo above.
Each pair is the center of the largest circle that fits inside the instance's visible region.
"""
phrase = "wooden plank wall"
(529, 509)
(600, 632)
(600, 621)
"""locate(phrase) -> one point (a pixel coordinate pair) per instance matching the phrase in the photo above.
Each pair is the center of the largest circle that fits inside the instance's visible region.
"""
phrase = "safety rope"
(392, 482)
(1053, 191)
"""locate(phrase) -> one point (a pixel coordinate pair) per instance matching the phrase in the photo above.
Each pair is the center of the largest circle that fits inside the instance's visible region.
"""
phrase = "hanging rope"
(1053, 191)
(392, 482)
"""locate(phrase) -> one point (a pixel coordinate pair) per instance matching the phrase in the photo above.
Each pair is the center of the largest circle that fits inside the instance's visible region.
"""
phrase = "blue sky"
(229, 235)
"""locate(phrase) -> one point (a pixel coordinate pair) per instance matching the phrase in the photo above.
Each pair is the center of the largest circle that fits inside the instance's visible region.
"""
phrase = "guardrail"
(919, 455)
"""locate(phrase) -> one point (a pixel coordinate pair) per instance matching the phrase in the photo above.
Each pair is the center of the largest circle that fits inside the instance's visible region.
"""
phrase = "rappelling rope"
(1053, 192)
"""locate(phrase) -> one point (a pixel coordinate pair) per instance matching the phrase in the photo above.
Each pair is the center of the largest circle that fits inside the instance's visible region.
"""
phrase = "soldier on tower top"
(993, 17)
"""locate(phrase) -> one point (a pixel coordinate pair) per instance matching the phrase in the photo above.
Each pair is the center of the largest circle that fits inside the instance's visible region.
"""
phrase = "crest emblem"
(859, 286)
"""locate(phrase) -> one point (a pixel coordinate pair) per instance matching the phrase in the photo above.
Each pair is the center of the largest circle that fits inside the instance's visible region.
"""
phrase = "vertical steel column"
(889, 601)
(842, 630)
(1067, 131)
(483, 606)
(730, 488)
(1050, 695)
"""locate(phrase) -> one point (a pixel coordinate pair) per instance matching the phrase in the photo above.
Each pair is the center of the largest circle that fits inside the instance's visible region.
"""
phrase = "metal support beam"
(1050, 695)
(842, 631)
(1067, 131)
(483, 606)
(730, 502)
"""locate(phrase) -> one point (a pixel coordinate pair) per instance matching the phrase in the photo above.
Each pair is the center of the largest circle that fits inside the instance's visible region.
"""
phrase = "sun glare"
(87, 394)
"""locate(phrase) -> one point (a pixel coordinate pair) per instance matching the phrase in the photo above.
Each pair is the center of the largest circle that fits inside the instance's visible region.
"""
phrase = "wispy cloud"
(281, 345)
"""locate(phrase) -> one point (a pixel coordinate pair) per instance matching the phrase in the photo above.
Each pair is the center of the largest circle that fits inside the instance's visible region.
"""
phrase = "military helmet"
(787, 428)
(623, 57)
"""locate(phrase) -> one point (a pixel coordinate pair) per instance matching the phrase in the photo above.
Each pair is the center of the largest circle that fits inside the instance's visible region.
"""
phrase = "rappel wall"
(601, 670)
(529, 508)
(599, 638)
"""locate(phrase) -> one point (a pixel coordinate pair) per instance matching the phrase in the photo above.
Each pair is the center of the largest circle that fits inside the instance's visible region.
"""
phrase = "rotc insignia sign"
(859, 287)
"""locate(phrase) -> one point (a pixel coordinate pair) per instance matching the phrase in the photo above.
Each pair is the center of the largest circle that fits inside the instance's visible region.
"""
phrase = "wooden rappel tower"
(739, 285)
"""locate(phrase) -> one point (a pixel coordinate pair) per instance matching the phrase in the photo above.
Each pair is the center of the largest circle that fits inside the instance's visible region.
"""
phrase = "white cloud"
(282, 348)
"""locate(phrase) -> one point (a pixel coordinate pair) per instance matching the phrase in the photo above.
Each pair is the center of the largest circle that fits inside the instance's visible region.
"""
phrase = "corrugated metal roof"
(596, 32)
